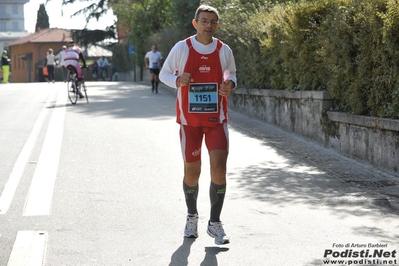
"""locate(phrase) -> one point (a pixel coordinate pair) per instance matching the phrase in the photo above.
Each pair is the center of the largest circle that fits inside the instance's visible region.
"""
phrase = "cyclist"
(73, 54)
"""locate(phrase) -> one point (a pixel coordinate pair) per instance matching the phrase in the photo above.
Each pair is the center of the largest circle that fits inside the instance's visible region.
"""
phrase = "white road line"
(13, 180)
(43, 181)
(28, 249)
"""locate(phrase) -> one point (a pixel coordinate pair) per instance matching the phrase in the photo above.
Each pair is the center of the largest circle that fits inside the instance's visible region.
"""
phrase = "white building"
(12, 21)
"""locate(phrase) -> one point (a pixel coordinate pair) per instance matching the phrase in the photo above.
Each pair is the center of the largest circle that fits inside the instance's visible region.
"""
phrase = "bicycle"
(72, 85)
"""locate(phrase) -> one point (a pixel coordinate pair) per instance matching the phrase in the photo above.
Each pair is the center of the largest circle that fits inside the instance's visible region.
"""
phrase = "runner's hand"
(184, 79)
(226, 88)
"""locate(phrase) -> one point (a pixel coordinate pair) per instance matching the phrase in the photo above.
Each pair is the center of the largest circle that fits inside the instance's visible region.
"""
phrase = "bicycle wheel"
(72, 93)
(85, 91)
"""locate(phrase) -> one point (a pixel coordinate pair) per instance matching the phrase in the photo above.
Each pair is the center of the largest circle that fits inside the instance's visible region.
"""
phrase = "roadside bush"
(348, 47)
(361, 54)
(236, 31)
(301, 49)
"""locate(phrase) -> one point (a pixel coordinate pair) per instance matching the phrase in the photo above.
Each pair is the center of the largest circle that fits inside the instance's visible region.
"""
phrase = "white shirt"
(177, 58)
(154, 58)
(50, 59)
(61, 57)
(102, 62)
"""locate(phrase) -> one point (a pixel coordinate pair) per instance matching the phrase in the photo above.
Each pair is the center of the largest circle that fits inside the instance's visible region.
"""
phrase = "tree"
(182, 12)
(142, 18)
(121, 59)
(94, 10)
(87, 37)
(42, 21)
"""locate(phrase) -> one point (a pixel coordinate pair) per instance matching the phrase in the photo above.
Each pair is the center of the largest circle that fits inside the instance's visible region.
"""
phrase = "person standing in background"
(61, 59)
(50, 62)
(153, 60)
(202, 69)
(103, 66)
(114, 75)
(5, 65)
(95, 70)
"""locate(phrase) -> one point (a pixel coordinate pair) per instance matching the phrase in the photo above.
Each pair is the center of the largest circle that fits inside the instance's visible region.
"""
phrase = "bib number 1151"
(203, 98)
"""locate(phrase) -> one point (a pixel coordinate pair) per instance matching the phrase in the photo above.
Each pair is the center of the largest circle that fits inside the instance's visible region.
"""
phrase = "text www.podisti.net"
(360, 257)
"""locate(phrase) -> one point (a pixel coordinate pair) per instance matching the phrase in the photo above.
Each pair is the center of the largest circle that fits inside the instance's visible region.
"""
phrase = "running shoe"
(216, 231)
(191, 231)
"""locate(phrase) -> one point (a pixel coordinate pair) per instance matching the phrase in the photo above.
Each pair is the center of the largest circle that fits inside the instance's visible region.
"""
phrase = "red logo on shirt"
(204, 69)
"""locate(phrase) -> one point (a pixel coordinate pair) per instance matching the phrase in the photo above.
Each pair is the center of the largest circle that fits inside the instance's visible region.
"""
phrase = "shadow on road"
(308, 174)
(180, 256)
(311, 175)
(125, 100)
(210, 255)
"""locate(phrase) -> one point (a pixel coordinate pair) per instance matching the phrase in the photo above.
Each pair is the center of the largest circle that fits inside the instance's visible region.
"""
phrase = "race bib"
(154, 65)
(203, 98)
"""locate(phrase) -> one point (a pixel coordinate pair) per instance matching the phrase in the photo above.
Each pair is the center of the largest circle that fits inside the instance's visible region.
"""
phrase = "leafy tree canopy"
(93, 10)
(42, 21)
(142, 18)
(87, 37)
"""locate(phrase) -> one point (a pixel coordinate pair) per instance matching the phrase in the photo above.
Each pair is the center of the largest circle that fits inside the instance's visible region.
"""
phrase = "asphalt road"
(100, 184)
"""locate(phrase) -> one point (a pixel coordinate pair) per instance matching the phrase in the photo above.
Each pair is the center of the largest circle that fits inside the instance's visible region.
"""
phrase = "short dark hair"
(206, 8)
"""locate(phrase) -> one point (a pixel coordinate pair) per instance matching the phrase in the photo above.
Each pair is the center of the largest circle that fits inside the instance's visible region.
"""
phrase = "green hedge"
(121, 58)
(348, 47)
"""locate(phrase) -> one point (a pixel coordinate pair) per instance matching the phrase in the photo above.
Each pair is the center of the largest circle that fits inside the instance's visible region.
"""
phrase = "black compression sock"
(216, 193)
(191, 194)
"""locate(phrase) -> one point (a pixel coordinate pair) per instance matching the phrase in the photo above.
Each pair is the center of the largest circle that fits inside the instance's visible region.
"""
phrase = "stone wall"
(367, 139)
